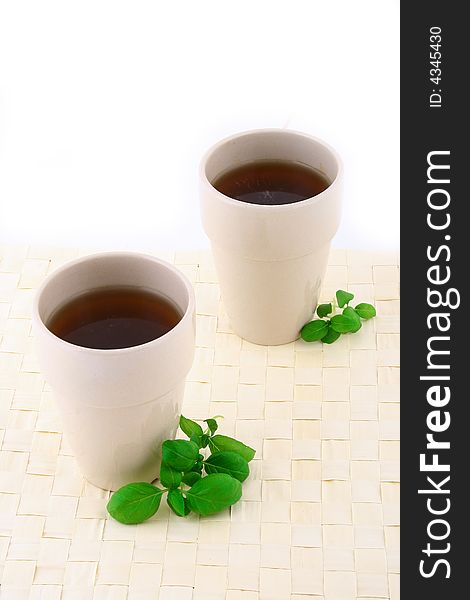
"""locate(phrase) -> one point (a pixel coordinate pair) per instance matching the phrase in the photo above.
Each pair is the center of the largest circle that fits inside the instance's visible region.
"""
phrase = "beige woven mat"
(320, 512)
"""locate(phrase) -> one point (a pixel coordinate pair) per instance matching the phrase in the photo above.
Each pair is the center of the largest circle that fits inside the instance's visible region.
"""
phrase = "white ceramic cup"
(118, 405)
(270, 260)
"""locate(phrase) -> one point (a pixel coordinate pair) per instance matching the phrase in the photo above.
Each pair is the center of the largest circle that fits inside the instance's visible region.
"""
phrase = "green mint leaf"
(180, 455)
(343, 298)
(191, 478)
(197, 468)
(343, 323)
(227, 462)
(204, 440)
(190, 427)
(222, 443)
(196, 439)
(134, 503)
(214, 493)
(212, 424)
(314, 331)
(331, 336)
(168, 477)
(324, 309)
(366, 311)
(350, 312)
(175, 501)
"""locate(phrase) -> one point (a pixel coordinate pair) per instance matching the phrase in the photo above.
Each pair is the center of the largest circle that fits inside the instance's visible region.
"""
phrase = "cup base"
(266, 341)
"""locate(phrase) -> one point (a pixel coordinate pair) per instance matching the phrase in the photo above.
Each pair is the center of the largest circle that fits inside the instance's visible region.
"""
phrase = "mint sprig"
(348, 321)
(192, 482)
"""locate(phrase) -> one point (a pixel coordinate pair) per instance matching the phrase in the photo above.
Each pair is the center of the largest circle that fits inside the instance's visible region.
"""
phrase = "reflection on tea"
(271, 182)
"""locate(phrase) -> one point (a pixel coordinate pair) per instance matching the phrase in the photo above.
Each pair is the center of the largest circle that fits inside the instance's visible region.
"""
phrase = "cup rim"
(270, 207)
(38, 321)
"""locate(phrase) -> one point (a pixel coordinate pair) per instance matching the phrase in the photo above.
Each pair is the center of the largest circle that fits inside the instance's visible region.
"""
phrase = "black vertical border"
(425, 129)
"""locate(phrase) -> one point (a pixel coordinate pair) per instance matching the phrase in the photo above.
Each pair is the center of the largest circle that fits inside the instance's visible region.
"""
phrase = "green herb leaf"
(222, 443)
(134, 503)
(343, 298)
(366, 311)
(190, 427)
(343, 323)
(191, 478)
(227, 462)
(196, 439)
(331, 336)
(197, 468)
(204, 440)
(180, 455)
(214, 493)
(350, 312)
(168, 477)
(175, 501)
(324, 309)
(313, 331)
(212, 424)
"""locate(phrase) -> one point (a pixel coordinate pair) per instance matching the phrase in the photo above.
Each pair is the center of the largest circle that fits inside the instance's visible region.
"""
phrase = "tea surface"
(271, 182)
(114, 317)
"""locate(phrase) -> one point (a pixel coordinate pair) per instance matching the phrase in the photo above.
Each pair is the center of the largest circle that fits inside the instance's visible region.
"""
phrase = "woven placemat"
(319, 516)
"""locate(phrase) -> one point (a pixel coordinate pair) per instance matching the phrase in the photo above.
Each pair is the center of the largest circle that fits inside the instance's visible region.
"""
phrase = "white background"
(107, 106)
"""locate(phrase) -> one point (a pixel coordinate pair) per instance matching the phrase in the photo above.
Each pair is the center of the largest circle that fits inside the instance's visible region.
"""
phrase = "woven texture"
(319, 516)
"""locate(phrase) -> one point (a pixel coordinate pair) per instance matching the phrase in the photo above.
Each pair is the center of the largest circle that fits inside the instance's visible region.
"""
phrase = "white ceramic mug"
(270, 260)
(118, 405)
